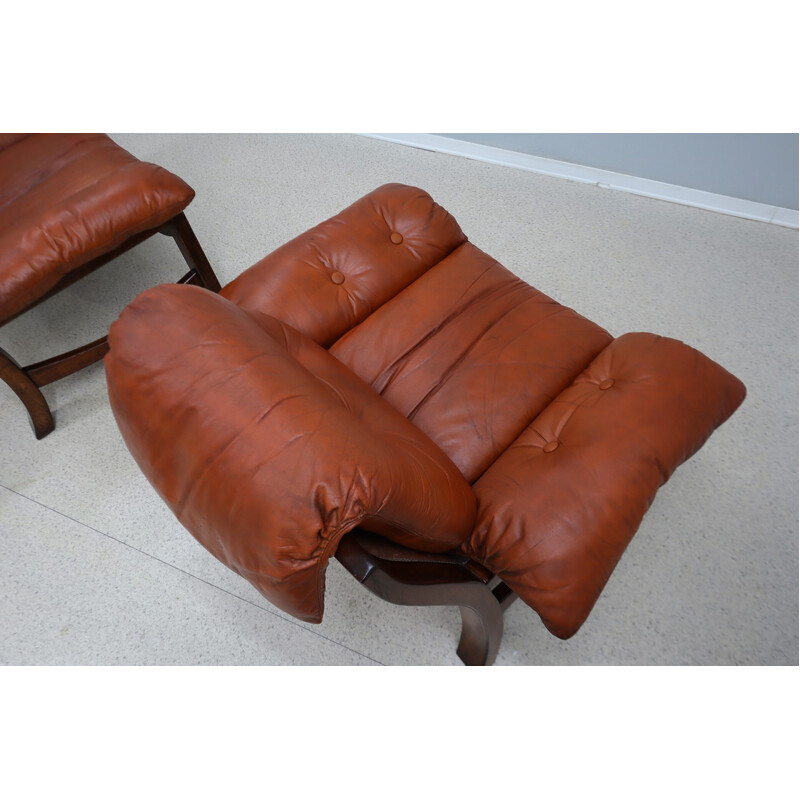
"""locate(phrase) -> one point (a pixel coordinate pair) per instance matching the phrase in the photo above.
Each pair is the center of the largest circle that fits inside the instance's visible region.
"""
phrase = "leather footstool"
(70, 203)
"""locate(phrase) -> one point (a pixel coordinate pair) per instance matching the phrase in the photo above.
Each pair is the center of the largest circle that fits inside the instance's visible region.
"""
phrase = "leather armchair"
(381, 390)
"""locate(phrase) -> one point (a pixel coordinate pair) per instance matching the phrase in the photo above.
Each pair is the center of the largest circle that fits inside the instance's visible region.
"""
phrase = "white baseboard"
(734, 206)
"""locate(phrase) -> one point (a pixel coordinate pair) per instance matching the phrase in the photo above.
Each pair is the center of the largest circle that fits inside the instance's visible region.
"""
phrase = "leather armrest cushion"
(267, 448)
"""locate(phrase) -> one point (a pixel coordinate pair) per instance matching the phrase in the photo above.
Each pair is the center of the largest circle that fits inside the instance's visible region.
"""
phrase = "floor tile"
(70, 595)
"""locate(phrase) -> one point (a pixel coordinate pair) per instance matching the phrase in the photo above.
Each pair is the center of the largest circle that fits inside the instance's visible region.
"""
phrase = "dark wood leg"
(481, 629)
(25, 381)
(28, 392)
(181, 231)
(406, 577)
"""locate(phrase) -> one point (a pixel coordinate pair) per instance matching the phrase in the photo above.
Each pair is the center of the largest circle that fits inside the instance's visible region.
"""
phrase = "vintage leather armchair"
(380, 390)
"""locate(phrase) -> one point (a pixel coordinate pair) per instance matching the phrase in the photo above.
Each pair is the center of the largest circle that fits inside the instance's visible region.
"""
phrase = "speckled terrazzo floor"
(95, 570)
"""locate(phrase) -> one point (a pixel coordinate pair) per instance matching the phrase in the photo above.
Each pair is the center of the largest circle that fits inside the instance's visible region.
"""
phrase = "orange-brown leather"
(332, 277)
(559, 507)
(470, 354)
(564, 432)
(268, 449)
(66, 199)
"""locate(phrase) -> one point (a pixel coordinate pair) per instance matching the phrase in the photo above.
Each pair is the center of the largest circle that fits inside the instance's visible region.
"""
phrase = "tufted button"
(397, 238)
(550, 446)
(337, 277)
(606, 384)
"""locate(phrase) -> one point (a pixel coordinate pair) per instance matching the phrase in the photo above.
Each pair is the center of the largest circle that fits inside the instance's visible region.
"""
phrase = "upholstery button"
(397, 238)
(550, 446)
(337, 277)
(606, 384)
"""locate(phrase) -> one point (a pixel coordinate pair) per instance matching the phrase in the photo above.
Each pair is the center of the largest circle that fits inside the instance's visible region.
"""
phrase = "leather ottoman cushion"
(66, 199)
(559, 507)
(267, 449)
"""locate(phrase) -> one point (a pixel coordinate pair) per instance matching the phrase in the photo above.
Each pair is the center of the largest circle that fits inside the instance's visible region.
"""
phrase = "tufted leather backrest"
(332, 277)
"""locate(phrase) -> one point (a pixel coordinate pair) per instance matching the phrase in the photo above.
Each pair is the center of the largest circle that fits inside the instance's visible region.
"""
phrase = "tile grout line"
(189, 574)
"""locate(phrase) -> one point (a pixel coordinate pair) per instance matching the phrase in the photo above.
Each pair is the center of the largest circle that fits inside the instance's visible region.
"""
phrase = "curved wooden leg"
(481, 615)
(481, 630)
(28, 392)
(405, 577)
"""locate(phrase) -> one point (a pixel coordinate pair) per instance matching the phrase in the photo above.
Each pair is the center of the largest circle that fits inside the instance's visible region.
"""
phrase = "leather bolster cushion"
(269, 450)
(559, 507)
(332, 277)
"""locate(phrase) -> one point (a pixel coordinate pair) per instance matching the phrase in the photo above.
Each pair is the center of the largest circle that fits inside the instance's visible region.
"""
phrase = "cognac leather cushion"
(66, 199)
(559, 507)
(267, 449)
(332, 277)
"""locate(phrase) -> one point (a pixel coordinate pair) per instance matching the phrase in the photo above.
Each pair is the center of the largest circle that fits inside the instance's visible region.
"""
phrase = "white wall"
(760, 167)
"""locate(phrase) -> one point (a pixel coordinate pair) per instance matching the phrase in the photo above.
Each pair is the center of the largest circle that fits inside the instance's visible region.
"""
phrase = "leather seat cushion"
(471, 354)
(560, 505)
(66, 199)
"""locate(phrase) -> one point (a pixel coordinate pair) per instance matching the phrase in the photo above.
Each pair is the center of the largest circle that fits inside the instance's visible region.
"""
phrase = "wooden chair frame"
(410, 578)
(26, 381)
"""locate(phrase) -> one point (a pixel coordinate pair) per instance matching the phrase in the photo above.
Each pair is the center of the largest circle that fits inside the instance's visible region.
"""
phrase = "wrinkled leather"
(267, 448)
(470, 354)
(66, 199)
(564, 432)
